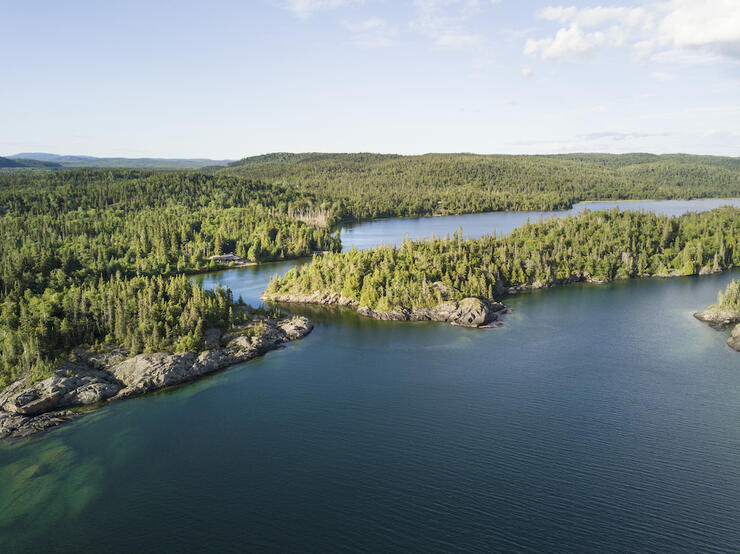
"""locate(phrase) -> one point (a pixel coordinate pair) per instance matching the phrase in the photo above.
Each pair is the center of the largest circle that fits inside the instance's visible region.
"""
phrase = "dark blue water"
(599, 418)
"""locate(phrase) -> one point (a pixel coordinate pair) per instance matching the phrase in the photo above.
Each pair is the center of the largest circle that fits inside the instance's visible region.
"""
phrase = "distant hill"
(135, 163)
(370, 186)
(17, 163)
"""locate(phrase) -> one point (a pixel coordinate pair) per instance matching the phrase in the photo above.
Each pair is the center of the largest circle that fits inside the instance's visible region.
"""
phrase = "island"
(462, 281)
(725, 313)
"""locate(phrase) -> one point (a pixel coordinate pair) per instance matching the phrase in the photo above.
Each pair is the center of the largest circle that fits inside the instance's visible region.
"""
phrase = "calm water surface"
(599, 418)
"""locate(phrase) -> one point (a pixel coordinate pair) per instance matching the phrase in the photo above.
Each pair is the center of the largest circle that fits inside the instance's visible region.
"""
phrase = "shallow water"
(599, 418)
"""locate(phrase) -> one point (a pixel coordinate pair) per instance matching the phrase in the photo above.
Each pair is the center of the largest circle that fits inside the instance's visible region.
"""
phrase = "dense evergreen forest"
(601, 246)
(85, 255)
(94, 256)
(368, 186)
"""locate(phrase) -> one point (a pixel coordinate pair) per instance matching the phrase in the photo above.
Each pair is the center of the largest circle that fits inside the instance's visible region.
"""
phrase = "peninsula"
(457, 281)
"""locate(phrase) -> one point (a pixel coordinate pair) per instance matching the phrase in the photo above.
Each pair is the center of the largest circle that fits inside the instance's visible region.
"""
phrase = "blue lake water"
(600, 418)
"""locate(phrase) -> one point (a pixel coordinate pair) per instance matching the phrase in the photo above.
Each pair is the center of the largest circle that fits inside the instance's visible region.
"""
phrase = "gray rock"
(468, 312)
(718, 317)
(27, 408)
(734, 340)
(66, 388)
(17, 425)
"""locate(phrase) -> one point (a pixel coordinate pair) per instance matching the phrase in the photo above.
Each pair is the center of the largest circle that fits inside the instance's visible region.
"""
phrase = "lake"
(598, 418)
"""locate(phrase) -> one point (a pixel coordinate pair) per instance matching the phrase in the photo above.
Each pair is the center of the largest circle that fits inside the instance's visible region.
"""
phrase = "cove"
(600, 417)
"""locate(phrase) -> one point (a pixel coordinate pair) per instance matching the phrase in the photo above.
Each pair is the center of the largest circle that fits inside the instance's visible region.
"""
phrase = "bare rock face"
(718, 317)
(468, 312)
(63, 389)
(148, 372)
(27, 408)
(17, 425)
(734, 340)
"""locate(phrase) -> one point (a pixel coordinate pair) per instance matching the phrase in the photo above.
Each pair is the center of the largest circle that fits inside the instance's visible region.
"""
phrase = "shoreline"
(453, 311)
(95, 379)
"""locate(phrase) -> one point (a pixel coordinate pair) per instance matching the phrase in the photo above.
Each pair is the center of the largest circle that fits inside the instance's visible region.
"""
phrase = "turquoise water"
(599, 418)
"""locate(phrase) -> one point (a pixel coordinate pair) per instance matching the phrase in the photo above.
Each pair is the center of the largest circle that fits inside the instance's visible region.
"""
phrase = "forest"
(369, 186)
(93, 256)
(599, 246)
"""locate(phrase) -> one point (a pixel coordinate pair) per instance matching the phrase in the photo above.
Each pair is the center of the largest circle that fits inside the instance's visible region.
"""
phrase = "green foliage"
(730, 298)
(142, 314)
(602, 246)
(66, 227)
(93, 256)
(369, 186)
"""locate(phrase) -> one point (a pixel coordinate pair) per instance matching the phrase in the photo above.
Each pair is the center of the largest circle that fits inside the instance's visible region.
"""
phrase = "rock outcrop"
(734, 340)
(468, 312)
(718, 317)
(27, 408)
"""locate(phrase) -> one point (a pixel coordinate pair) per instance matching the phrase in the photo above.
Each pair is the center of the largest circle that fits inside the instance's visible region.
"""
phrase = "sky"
(227, 79)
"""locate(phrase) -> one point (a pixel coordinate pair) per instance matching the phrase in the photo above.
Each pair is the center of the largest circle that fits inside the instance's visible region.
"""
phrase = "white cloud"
(373, 33)
(678, 31)
(568, 43)
(527, 72)
(305, 8)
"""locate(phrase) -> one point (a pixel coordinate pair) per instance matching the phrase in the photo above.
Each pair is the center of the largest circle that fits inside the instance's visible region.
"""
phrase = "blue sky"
(226, 79)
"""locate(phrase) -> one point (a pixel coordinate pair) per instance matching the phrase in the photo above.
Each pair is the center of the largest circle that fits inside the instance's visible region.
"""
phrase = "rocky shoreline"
(468, 312)
(722, 318)
(94, 378)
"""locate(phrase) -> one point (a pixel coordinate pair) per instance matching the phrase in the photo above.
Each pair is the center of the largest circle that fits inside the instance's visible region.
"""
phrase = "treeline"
(63, 228)
(730, 298)
(139, 314)
(601, 246)
(368, 186)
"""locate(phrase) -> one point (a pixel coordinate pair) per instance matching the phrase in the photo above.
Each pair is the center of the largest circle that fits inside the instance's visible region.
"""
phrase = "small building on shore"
(227, 258)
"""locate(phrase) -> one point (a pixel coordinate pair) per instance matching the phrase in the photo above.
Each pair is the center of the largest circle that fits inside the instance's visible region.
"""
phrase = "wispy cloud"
(446, 22)
(372, 33)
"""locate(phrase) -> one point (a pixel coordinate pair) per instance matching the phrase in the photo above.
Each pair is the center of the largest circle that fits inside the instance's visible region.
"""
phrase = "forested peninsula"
(94, 262)
(420, 279)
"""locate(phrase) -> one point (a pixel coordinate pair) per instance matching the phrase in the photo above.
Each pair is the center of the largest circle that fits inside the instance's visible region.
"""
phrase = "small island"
(725, 313)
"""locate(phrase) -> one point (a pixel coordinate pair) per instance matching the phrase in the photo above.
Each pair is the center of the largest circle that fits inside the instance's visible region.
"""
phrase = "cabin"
(226, 258)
